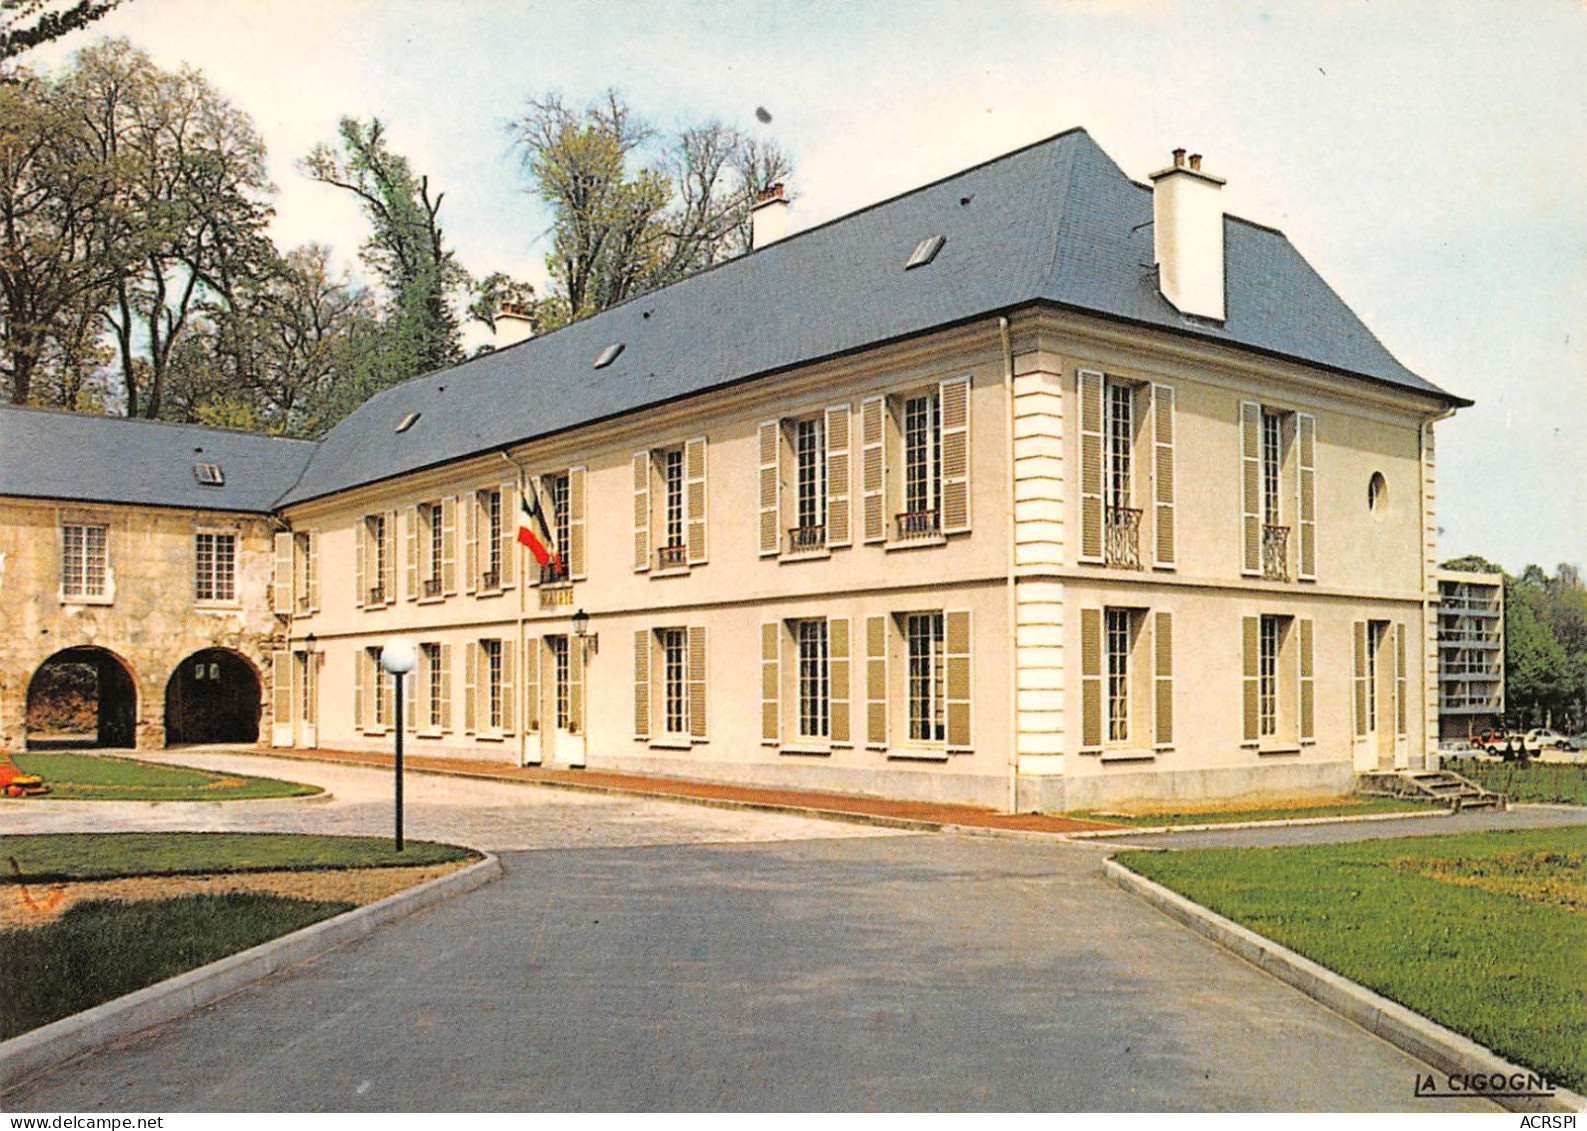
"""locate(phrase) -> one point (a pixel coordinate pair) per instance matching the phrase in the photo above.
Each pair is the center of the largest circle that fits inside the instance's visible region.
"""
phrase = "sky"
(1428, 158)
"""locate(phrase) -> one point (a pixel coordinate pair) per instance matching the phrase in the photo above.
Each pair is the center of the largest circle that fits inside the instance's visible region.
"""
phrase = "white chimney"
(1187, 236)
(513, 325)
(768, 216)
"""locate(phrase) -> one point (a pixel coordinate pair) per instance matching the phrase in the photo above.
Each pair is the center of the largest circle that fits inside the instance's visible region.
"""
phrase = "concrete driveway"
(704, 959)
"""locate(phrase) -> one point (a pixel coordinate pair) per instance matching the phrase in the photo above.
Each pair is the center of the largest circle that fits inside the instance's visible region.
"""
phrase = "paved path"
(495, 816)
(678, 957)
(1472, 821)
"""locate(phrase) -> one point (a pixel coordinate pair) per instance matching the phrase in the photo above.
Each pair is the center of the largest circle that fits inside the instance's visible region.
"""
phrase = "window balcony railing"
(1474, 673)
(1469, 606)
(1468, 637)
(804, 538)
(1471, 703)
(914, 525)
(1275, 553)
(553, 572)
(490, 579)
(1123, 537)
(432, 587)
(377, 595)
(303, 604)
(674, 556)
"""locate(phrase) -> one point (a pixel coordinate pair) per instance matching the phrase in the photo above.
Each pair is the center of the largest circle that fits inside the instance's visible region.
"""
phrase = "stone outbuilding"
(135, 568)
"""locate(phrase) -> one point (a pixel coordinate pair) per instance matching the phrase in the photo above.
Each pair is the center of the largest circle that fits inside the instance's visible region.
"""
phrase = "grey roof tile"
(110, 459)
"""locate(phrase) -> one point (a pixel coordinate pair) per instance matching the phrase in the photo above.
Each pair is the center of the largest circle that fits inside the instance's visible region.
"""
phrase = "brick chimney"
(1187, 236)
(768, 216)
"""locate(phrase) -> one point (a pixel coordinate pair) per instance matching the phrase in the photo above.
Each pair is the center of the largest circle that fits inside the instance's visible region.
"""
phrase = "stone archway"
(212, 696)
(83, 696)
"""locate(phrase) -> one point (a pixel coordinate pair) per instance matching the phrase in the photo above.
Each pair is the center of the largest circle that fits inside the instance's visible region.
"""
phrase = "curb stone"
(1287, 822)
(48, 1046)
(1444, 1049)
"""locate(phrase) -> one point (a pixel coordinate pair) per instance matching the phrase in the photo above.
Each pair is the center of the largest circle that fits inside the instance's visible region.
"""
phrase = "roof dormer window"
(209, 474)
(925, 251)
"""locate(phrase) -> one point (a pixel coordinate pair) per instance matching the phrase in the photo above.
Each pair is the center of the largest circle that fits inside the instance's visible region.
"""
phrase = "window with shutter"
(959, 680)
(1163, 549)
(1306, 488)
(1091, 705)
(1091, 468)
(471, 567)
(471, 710)
(838, 475)
(410, 701)
(449, 545)
(642, 684)
(575, 686)
(577, 568)
(876, 687)
(309, 553)
(388, 557)
(1307, 706)
(507, 653)
(873, 472)
(360, 556)
(446, 688)
(411, 573)
(694, 465)
(770, 683)
(358, 690)
(1399, 681)
(1250, 651)
(1250, 488)
(1163, 682)
(769, 435)
(697, 673)
(1362, 680)
(507, 536)
(840, 679)
(281, 692)
(281, 590)
(954, 398)
(641, 469)
(531, 686)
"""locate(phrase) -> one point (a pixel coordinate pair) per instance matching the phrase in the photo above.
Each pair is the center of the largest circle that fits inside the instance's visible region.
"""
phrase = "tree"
(186, 224)
(25, 24)
(622, 226)
(406, 249)
(57, 267)
(1473, 563)
(1545, 646)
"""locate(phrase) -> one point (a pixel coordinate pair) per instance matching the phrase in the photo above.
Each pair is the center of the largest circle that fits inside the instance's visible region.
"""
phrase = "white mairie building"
(1035, 487)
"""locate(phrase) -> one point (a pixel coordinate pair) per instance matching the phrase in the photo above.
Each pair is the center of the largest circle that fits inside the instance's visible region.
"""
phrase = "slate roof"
(110, 459)
(1055, 222)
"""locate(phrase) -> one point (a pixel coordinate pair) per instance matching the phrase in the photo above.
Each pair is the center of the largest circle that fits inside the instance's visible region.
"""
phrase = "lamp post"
(398, 658)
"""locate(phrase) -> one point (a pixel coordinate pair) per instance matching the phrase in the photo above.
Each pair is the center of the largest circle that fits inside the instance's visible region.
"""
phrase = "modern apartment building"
(1470, 653)
(1034, 487)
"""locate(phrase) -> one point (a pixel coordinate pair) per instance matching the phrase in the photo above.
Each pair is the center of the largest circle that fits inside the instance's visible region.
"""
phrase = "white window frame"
(1117, 690)
(674, 659)
(926, 678)
(82, 594)
(215, 597)
(812, 680)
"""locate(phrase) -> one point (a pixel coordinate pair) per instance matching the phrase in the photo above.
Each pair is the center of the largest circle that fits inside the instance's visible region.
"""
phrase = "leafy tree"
(406, 250)
(1473, 563)
(623, 225)
(186, 222)
(25, 24)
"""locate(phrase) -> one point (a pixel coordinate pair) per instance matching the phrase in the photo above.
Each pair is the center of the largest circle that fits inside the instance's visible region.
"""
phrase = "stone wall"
(149, 619)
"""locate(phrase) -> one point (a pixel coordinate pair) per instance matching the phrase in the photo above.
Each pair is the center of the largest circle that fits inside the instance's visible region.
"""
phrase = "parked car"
(1541, 738)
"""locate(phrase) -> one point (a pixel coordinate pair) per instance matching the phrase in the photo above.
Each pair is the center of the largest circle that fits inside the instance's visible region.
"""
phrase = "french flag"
(530, 516)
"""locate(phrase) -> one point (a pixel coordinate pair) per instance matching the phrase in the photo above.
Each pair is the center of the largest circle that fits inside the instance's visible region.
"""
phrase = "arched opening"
(82, 697)
(212, 696)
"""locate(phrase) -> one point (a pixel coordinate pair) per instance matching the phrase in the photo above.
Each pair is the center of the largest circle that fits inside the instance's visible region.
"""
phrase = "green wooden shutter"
(953, 399)
(1358, 633)
(1163, 476)
(839, 680)
(642, 684)
(956, 633)
(873, 472)
(641, 467)
(1091, 679)
(577, 486)
(1306, 489)
(839, 485)
(770, 439)
(876, 682)
(696, 683)
(1163, 680)
(1307, 682)
(694, 499)
(770, 683)
(1251, 655)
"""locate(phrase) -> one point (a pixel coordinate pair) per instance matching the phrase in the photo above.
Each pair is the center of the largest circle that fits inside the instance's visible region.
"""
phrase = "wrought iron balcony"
(674, 556)
(1123, 537)
(432, 587)
(805, 538)
(553, 572)
(490, 579)
(303, 604)
(913, 525)
(1275, 553)
(377, 595)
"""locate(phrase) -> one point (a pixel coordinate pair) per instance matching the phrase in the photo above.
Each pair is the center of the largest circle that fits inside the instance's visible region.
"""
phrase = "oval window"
(1377, 492)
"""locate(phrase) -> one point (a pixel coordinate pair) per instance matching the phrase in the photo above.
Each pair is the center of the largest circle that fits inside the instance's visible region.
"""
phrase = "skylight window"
(209, 474)
(608, 355)
(408, 422)
(925, 251)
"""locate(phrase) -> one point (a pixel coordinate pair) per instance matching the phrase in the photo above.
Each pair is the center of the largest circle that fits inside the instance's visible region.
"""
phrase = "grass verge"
(1224, 814)
(60, 857)
(1557, 783)
(101, 950)
(97, 777)
(1483, 933)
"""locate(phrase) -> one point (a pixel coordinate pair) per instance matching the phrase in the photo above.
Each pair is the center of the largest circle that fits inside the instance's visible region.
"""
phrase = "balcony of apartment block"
(1468, 606)
(1478, 672)
(1470, 704)
(1467, 638)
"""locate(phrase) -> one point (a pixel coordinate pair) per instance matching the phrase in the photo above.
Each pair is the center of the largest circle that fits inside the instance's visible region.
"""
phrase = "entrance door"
(565, 658)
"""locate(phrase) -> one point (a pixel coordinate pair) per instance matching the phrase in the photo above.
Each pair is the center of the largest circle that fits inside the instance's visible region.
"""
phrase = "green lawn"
(1484, 933)
(96, 777)
(103, 949)
(1341, 807)
(58, 857)
(1549, 783)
